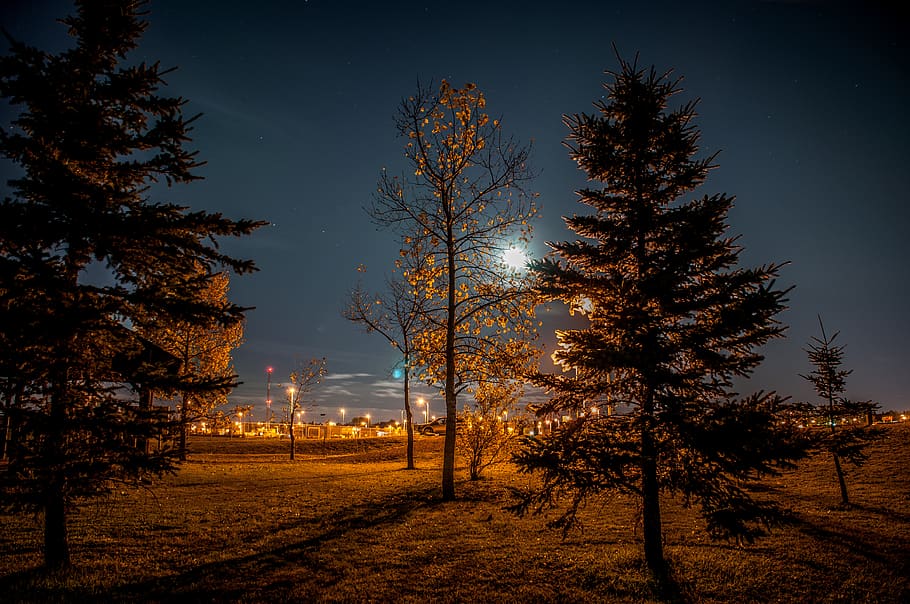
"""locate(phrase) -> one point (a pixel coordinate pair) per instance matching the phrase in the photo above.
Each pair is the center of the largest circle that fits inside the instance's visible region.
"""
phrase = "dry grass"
(345, 523)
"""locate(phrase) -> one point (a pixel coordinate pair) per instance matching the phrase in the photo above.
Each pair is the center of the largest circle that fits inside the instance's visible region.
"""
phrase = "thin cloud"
(347, 376)
(335, 390)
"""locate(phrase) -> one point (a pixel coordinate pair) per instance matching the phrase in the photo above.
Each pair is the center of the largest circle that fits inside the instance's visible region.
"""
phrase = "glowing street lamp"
(342, 416)
(426, 410)
(368, 420)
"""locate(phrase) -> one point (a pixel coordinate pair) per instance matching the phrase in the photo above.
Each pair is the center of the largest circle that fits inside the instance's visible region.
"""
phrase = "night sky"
(806, 102)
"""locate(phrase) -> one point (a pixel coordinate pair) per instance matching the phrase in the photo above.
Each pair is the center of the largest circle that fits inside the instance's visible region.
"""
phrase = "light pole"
(368, 420)
(342, 416)
(426, 409)
(268, 399)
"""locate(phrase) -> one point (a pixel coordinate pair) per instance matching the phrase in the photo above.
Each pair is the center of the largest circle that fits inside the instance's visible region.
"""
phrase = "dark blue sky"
(805, 101)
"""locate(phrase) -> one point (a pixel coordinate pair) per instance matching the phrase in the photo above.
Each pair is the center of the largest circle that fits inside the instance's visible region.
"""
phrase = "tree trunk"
(650, 494)
(145, 405)
(13, 401)
(184, 412)
(840, 480)
(842, 483)
(56, 544)
(291, 430)
(8, 426)
(407, 412)
(183, 427)
(7, 433)
(448, 457)
(448, 461)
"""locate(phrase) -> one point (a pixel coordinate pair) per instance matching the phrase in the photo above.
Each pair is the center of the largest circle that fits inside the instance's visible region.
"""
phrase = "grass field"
(346, 523)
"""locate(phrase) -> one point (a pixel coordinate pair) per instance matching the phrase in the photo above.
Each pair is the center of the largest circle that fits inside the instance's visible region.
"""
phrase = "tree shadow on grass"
(269, 574)
(887, 514)
(266, 575)
(861, 543)
(889, 551)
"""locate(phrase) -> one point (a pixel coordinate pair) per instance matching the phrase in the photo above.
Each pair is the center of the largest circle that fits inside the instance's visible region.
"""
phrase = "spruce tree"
(846, 432)
(672, 320)
(85, 255)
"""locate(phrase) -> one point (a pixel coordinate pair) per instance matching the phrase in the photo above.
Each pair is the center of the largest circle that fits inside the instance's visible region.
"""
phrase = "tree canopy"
(86, 256)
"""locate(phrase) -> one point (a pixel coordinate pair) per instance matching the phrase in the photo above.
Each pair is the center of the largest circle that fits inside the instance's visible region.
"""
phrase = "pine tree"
(846, 429)
(85, 255)
(671, 321)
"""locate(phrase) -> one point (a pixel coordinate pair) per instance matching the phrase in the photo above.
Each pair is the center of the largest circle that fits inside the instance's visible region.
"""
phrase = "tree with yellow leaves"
(204, 350)
(462, 206)
(486, 436)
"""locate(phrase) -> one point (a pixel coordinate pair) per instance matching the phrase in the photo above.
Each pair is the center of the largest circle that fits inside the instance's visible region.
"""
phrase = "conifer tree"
(847, 432)
(672, 319)
(85, 256)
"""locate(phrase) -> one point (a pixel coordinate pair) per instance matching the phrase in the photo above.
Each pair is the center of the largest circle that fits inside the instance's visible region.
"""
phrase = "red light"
(269, 369)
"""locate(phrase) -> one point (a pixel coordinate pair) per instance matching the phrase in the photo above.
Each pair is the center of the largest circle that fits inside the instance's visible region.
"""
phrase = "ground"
(346, 523)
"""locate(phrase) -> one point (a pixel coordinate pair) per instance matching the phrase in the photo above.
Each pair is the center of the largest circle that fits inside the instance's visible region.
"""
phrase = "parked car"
(437, 426)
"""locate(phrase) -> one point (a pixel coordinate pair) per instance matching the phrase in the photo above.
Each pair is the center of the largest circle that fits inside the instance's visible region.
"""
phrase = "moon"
(515, 259)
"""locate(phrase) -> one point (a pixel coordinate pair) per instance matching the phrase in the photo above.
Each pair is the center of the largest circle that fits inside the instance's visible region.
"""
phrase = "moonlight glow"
(515, 258)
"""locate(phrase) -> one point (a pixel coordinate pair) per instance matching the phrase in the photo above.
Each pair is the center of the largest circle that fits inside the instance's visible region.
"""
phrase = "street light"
(268, 398)
(342, 416)
(368, 420)
(426, 410)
